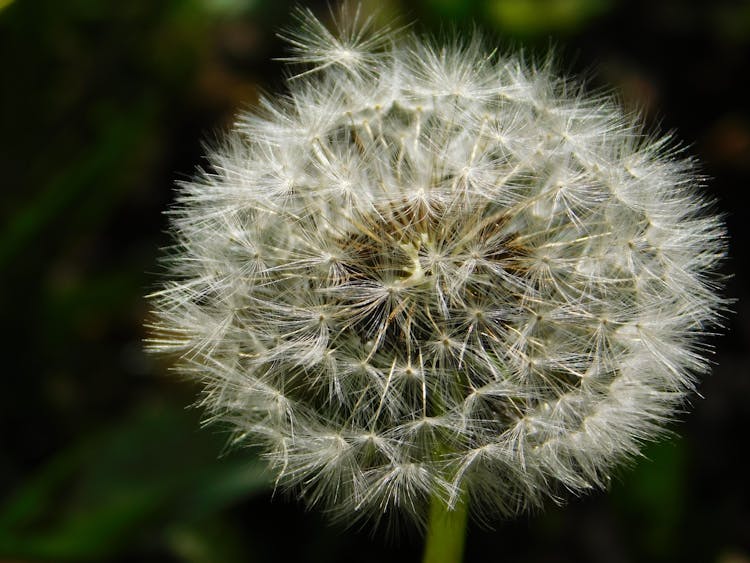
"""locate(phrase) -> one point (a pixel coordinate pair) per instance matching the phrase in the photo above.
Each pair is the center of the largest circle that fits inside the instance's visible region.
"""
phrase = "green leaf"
(540, 17)
(155, 471)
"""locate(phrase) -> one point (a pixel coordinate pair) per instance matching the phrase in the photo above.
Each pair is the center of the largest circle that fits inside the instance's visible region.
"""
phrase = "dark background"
(104, 105)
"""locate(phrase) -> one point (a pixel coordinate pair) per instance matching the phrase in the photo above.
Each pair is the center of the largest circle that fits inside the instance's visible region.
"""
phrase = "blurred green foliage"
(532, 17)
(101, 459)
(153, 473)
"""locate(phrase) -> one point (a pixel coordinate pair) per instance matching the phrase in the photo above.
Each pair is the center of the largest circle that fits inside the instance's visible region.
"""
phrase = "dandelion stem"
(446, 532)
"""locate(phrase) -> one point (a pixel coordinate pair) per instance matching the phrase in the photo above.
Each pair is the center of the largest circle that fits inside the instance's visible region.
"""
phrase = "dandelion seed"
(438, 272)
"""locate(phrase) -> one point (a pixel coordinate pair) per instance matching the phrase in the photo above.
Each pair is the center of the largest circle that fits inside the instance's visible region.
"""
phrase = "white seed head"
(439, 272)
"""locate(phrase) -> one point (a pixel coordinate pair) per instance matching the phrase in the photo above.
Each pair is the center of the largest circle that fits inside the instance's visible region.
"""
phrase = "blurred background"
(104, 105)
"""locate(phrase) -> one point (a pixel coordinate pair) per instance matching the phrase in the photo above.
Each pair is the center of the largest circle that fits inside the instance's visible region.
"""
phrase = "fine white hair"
(437, 271)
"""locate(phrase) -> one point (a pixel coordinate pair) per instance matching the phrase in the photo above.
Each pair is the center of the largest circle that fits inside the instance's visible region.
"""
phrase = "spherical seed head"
(438, 272)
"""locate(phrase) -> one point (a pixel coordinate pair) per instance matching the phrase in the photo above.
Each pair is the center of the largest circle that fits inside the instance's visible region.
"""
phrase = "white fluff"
(433, 270)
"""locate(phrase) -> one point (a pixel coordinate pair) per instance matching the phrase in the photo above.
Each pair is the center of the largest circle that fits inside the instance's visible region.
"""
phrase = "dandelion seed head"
(437, 271)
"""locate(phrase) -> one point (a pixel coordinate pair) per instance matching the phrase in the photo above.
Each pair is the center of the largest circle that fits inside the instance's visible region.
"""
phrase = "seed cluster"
(439, 272)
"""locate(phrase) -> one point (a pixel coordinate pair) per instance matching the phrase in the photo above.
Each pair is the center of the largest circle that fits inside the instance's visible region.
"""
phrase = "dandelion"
(431, 278)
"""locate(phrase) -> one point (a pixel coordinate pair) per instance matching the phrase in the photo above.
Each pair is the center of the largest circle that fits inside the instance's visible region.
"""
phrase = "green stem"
(446, 532)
